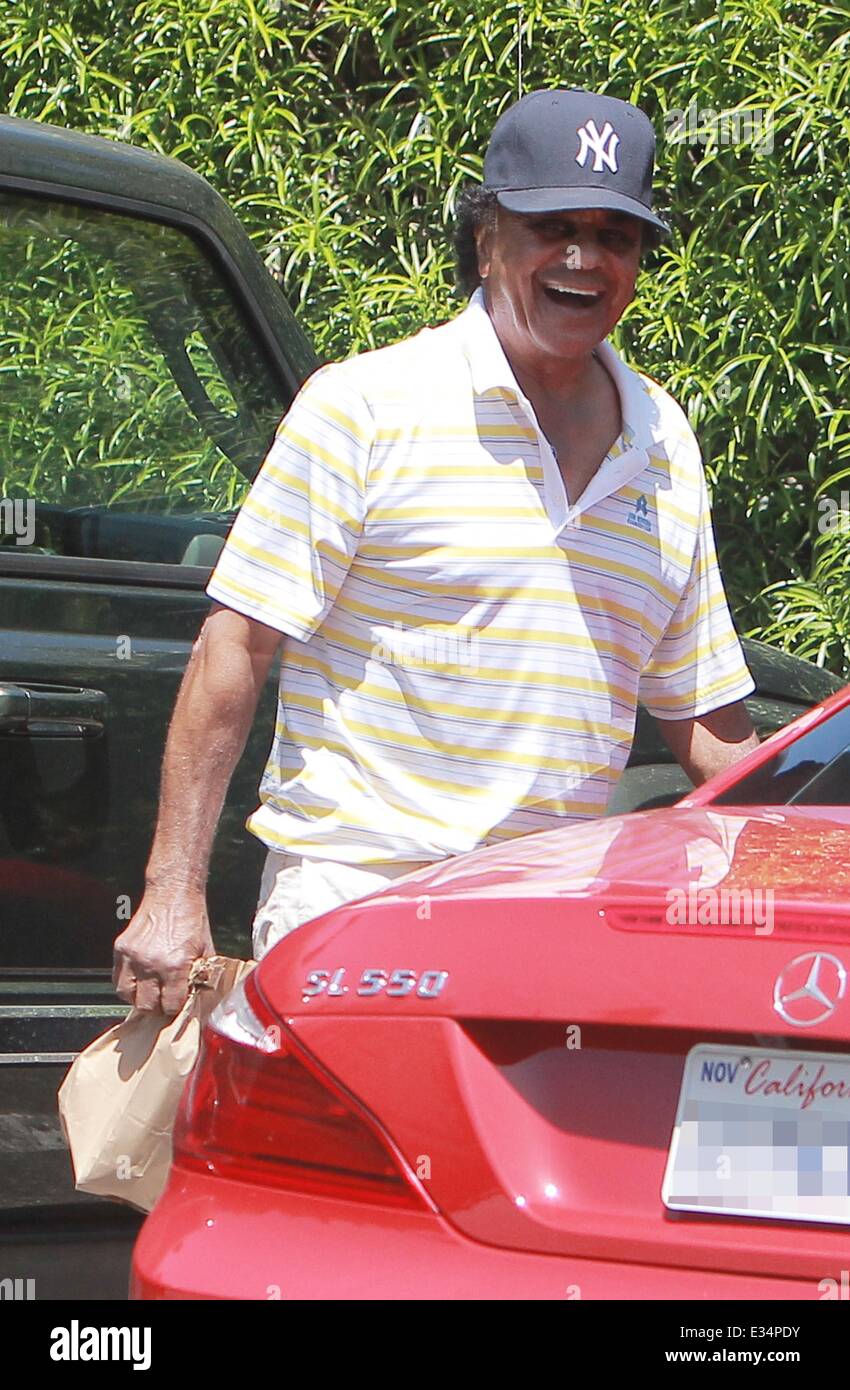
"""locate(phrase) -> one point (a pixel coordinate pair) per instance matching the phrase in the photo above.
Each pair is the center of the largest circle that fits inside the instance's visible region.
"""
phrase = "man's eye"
(620, 241)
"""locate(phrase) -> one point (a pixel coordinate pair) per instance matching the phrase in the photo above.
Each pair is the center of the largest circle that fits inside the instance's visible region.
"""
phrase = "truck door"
(136, 402)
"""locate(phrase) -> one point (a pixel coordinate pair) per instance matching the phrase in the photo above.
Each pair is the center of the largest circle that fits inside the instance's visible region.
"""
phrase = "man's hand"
(712, 742)
(155, 953)
(209, 728)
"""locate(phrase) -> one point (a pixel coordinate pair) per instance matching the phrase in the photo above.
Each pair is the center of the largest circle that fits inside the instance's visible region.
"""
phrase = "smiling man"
(480, 547)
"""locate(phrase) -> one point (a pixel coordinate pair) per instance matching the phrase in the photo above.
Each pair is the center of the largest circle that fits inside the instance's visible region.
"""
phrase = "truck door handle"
(51, 710)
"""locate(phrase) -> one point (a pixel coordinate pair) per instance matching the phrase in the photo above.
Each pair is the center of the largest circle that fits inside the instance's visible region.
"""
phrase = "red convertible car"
(611, 1061)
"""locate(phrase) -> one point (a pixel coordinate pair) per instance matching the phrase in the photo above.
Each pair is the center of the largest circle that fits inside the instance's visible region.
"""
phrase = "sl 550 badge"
(394, 983)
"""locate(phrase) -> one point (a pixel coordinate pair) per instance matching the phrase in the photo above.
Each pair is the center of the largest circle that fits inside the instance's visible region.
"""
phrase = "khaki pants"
(295, 890)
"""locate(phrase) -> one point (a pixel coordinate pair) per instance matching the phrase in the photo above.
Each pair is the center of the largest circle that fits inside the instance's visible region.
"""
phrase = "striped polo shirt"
(466, 644)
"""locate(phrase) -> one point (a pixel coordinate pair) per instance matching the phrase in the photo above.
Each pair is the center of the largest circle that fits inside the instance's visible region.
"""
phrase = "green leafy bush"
(341, 130)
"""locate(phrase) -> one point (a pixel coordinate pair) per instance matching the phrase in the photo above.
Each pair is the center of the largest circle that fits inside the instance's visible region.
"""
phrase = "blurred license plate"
(762, 1132)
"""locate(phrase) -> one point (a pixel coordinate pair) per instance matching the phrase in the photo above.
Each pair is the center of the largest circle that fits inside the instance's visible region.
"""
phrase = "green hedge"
(341, 131)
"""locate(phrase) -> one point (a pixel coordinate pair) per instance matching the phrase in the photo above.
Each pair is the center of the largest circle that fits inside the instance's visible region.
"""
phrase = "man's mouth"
(569, 297)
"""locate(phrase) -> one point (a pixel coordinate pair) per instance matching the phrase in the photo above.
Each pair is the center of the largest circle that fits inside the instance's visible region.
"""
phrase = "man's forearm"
(209, 729)
(711, 743)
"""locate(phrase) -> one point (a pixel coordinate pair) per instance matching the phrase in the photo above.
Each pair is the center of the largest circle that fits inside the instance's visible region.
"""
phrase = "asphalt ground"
(66, 1257)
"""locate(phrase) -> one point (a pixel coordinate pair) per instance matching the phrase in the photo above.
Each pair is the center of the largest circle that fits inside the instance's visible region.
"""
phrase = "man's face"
(556, 283)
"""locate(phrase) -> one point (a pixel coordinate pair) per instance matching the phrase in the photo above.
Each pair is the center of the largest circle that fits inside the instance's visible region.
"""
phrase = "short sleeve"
(297, 532)
(698, 664)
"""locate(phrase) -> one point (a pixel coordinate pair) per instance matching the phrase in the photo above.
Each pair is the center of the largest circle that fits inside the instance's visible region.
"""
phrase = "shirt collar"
(491, 371)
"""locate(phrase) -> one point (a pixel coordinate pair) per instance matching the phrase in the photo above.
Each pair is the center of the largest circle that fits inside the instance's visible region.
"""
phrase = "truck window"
(136, 403)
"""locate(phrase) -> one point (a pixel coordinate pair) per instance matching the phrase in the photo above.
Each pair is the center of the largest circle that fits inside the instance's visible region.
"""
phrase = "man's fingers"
(148, 991)
(175, 990)
(148, 994)
(124, 979)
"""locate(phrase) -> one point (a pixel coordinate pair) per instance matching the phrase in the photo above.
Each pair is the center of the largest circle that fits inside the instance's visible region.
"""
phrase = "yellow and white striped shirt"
(465, 647)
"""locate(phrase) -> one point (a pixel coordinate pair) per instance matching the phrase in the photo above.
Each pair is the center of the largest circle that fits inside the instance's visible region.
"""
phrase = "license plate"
(762, 1132)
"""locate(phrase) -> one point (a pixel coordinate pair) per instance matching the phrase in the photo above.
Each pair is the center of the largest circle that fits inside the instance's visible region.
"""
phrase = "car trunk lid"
(535, 1094)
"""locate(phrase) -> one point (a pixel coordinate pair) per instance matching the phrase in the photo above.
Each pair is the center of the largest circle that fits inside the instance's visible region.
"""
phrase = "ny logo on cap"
(604, 146)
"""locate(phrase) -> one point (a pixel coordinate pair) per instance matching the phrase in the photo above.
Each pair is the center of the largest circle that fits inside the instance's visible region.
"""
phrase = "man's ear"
(484, 247)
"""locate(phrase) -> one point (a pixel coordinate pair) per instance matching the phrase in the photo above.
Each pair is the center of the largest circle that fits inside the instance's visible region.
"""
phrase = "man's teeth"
(584, 294)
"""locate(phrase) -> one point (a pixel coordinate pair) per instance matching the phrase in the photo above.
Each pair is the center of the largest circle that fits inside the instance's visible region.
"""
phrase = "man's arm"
(212, 718)
(711, 742)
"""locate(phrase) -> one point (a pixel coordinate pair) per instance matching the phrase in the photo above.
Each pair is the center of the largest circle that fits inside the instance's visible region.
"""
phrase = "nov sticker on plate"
(764, 1132)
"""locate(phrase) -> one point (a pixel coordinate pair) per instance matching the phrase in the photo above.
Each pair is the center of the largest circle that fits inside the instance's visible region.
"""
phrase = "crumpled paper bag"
(119, 1098)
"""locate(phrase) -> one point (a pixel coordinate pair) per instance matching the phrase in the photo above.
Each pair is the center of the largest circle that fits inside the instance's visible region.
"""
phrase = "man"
(479, 546)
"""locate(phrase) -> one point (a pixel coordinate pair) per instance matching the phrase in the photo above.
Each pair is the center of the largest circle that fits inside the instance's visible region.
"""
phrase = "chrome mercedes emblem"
(809, 989)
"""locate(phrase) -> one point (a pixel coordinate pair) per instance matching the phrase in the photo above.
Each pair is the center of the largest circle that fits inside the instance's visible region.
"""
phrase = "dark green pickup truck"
(147, 356)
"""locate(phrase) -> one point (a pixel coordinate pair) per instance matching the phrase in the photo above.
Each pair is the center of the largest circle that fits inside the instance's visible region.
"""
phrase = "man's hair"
(476, 208)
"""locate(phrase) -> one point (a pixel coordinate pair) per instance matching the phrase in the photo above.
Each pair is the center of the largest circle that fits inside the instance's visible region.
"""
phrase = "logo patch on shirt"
(640, 515)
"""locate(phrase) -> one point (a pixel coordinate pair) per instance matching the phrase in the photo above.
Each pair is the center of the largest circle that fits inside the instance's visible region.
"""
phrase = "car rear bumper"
(210, 1238)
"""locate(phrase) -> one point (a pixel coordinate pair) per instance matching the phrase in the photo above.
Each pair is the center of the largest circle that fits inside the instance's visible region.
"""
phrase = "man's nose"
(583, 252)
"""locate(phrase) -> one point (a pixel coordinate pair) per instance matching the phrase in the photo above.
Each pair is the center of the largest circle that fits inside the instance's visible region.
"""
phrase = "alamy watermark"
(17, 519)
(721, 907)
(79, 1342)
(422, 647)
(702, 125)
(830, 1290)
(17, 1289)
(834, 515)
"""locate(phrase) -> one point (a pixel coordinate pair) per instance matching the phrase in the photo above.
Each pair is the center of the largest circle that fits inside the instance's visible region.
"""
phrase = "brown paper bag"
(118, 1101)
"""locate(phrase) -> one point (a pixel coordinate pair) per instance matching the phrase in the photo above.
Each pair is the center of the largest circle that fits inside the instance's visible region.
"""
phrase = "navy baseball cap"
(560, 150)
